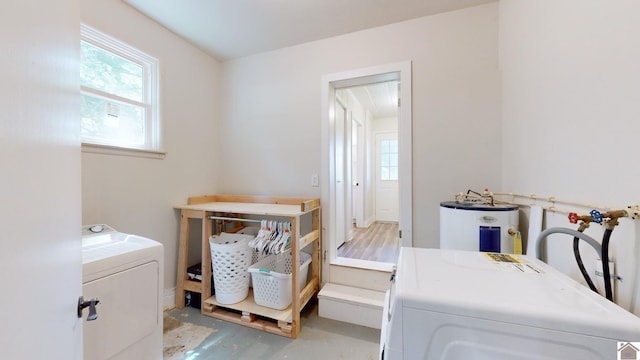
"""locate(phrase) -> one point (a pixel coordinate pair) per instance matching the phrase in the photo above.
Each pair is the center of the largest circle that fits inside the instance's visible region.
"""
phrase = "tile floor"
(320, 338)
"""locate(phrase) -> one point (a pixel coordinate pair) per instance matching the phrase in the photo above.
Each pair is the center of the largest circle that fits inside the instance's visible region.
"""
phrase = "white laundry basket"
(272, 279)
(230, 259)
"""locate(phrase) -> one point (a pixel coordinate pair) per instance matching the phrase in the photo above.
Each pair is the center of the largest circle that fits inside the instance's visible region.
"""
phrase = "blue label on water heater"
(490, 239)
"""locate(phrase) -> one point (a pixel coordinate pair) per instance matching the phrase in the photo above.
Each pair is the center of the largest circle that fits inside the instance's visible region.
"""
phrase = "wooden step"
(355, 273)
(351, 304)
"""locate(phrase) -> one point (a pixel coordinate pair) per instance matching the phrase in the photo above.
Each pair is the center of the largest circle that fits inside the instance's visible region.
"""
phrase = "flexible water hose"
(574, 233)
(583, 270)
(602, 250)
(605, 264)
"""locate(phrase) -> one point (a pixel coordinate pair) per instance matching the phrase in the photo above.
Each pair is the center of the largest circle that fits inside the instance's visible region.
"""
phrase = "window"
(119, 88)
(389, 160)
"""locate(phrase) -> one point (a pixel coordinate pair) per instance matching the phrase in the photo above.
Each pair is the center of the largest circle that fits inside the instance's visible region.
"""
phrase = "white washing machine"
(451, 304)
(125, 273)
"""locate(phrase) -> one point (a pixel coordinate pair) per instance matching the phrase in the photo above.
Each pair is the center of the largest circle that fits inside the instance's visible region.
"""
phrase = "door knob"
(91, 304)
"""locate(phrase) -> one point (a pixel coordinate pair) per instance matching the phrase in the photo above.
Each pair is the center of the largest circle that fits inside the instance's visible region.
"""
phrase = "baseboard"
(169, 300)
(369, 222)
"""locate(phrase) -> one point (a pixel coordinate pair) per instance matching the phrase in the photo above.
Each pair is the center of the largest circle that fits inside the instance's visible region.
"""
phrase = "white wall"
(386, 124)
(570, 84)
(40, 260)
(270, 127)
(136, 195)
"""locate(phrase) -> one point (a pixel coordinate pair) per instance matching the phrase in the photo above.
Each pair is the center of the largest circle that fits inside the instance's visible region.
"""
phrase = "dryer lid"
(105, 250)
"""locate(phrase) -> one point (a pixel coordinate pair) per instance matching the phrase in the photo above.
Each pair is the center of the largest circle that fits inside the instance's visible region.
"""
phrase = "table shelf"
(239, 207)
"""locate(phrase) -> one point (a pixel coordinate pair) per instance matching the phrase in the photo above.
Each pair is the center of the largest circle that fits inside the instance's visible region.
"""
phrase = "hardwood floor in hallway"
(378, 242)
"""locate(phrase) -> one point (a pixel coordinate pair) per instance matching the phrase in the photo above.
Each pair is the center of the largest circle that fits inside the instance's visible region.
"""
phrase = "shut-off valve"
(609, 218)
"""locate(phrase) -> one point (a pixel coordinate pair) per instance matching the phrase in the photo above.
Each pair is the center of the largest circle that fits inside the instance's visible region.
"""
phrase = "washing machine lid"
(105, 250)
(494, 287)
(477, 206)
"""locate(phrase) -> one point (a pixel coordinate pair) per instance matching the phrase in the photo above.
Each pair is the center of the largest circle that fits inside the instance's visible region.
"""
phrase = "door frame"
(400, 71)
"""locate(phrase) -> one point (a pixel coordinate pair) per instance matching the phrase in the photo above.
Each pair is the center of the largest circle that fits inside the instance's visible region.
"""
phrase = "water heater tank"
(477, 226)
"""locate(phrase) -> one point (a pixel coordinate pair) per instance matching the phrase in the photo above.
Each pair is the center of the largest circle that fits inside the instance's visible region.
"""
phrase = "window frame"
(389, 166)
(152, 146)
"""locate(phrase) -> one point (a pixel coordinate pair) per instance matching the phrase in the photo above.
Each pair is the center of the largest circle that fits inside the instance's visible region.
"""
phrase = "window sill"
(115, 150)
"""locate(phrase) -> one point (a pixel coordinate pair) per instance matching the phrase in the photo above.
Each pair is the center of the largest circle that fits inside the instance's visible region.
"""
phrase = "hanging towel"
(517, 243)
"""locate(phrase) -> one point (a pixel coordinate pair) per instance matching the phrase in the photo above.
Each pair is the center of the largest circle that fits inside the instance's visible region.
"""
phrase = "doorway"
(372, 233)
(349, 159)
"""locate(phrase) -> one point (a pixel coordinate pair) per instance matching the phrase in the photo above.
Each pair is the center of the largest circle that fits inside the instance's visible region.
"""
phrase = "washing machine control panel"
(96, 229)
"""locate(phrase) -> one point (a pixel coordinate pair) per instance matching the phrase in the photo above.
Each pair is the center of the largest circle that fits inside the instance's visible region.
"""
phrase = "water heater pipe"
(552, 200)
(633, 210)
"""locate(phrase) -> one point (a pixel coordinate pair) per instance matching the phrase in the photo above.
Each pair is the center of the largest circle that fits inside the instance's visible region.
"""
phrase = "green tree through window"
(119, 93)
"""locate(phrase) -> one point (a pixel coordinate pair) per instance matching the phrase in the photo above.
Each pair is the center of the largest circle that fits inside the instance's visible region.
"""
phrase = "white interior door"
(387, 176)
(340, 191)
(40, 261)
(357, 171)
(348, 177)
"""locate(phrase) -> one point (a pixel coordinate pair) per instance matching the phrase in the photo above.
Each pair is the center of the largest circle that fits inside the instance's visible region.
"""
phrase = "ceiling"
(381, 99)
(229, 29)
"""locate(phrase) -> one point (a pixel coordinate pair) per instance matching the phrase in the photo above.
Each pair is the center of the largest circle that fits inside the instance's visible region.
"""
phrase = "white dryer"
(125, 273)
(452, 304)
